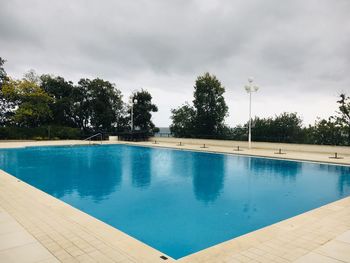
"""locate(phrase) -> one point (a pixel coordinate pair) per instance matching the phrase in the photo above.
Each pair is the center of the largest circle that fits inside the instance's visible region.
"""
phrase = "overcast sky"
(297, 51)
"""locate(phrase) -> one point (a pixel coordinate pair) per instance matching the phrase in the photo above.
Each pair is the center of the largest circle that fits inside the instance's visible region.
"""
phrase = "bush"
(39, 133)
(65, 132)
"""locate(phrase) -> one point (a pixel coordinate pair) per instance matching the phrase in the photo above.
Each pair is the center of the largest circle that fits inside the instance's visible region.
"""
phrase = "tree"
(32, 103)
(3, 75)
(344, 115)
(286, 127)
(6, 107)
(81, 106)
(98, 104)
(206, 117)
(32, 77)
(326, 132)
(210, 105)
(183, 120)
(240, 133)
(61, 92)
(143, 109)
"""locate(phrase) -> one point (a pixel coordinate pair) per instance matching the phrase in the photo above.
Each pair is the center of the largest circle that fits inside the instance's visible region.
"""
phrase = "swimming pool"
(178, 202)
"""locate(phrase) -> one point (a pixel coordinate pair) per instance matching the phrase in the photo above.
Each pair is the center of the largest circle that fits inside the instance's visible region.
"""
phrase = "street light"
(132, 101)
(250, 88)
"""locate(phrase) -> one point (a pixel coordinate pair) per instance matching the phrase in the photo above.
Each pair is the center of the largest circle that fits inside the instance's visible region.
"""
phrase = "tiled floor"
(17, 245)
(295, 155)
(320, 234)
(36, 227)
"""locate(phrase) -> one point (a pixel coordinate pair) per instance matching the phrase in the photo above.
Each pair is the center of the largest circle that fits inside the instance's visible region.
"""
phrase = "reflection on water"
(101, 176)
(344, 183)
(263, 166)
(140, 162)
(87, 173)
(343, 176)
(208, 177)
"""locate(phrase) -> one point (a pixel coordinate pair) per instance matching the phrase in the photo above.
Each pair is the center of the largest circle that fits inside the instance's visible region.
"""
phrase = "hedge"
(39, 133)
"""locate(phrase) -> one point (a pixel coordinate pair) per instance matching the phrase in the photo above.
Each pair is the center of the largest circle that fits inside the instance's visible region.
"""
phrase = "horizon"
(297, 52)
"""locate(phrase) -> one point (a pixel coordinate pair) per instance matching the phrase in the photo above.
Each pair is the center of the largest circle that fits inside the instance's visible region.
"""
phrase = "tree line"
(205, 118)
(50, 106)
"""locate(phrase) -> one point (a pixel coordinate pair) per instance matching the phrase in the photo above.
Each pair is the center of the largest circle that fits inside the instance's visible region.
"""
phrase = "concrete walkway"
(18, 245)
(307, 155)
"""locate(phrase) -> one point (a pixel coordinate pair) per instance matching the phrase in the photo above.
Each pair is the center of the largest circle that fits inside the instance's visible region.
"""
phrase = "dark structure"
(135, 136)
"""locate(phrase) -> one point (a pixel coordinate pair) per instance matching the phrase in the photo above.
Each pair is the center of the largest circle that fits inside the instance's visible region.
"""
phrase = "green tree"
(81, 110)
(183, 120)
(6, 106)
(327, 132)
(239, 133)
(61, 92)
(343, 117)
(206, 117)
(143, 110)
(98, 104)
(286, 127)
(32, 103)
(210, 106)
(3, 74)
(32, 77)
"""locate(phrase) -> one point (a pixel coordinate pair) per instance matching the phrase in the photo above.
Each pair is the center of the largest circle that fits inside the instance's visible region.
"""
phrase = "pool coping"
(100, 236)
(330, 162)
(313, 157)
(303, 234)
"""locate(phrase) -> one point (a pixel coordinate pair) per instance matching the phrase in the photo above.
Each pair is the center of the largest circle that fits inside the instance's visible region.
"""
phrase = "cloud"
(296, 50)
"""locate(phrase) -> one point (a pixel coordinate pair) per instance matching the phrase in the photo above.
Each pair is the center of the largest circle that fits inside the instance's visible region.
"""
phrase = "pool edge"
(72, 221)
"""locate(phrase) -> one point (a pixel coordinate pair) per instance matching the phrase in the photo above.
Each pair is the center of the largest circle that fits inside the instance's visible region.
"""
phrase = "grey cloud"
(297, 47)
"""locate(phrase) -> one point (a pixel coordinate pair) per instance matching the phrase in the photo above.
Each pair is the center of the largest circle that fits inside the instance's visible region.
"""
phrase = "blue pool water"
(178, 202)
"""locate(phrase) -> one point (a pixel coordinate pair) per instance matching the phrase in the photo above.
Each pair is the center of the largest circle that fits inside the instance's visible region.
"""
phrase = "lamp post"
(250, 88)
(132, 101)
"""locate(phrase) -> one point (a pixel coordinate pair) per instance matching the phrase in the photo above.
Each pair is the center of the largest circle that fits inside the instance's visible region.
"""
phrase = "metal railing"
(93, 136)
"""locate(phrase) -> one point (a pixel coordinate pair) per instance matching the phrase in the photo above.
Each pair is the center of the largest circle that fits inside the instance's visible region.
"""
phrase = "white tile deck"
(17, 245)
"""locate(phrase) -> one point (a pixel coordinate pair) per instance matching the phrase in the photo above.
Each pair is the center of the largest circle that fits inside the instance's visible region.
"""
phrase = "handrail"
(89, 138)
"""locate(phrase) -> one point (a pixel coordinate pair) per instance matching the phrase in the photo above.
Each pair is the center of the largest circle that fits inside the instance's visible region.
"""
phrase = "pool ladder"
(93, 136)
